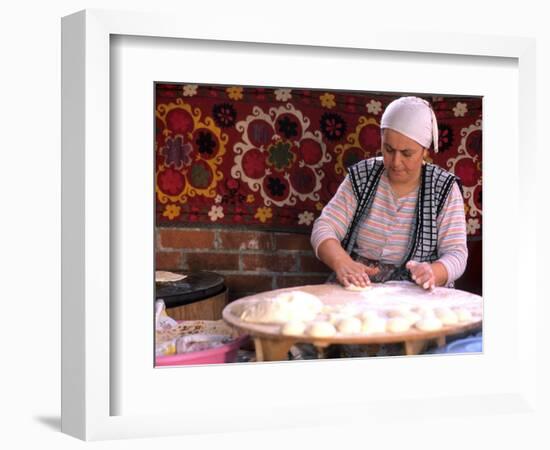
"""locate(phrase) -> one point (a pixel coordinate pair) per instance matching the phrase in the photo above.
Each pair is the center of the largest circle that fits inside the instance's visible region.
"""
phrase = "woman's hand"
(349, 272)
(422, 273)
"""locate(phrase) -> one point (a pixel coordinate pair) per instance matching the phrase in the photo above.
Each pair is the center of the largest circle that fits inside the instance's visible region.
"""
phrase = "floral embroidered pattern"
(327, 100)
(177, 153)
(263, 214)
(276, 156)
(279, 157)
(275, 186)
(190, 148)
(235, 93)
(189, 90)
(445, 137)
(224, 115)
(287, 127)
(215, 213)
(374, 107)
(171, 211)
(205, 142)
(305, 218)
(283, 95)
(333, 126)
(473, 226)
(460, 109)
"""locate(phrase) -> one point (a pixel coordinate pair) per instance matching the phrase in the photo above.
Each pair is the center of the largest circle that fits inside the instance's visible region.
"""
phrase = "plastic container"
(226, 353)
(468, 345)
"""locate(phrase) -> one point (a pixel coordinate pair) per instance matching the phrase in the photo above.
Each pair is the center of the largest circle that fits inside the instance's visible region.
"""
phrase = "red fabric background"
(271, 158)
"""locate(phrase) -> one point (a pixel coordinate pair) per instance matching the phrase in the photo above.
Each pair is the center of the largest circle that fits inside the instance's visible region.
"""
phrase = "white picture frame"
(92, 320)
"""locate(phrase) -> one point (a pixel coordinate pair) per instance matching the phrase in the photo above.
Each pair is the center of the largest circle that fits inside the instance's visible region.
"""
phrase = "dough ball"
(321, 329)
(464, 315)
(369, 314)
(429, 323)
(373, 324)
(349, 309)
(353, 287)
(412, 317)
(423, 310)
(397, 325)
(446, 315)
(349, 325)
(328, 309)
(398, 311)
(336, 317)
(293, 328)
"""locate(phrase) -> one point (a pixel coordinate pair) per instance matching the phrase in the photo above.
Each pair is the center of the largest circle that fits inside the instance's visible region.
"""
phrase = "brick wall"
(257, 261)
(250, 261)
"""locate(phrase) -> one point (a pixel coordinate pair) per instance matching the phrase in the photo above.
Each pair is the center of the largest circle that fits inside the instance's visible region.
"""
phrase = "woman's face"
(402, 157)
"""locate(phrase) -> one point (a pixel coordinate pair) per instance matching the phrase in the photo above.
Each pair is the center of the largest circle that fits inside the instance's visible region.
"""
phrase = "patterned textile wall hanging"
(271, 158)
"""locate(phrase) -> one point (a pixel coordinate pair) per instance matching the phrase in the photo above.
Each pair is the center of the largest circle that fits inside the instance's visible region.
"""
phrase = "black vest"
(435, 185)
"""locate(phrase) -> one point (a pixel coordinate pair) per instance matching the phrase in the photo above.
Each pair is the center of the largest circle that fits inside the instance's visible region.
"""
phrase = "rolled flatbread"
(353, 287)
(162, 276)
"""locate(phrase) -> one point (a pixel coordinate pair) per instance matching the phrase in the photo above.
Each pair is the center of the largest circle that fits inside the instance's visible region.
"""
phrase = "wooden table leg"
(418, 346)
(321, 348)
(272, 350)
(415, 347)
(259, 349)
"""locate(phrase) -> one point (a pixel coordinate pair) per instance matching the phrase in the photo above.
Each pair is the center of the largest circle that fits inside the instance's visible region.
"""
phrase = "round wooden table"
(271, 345)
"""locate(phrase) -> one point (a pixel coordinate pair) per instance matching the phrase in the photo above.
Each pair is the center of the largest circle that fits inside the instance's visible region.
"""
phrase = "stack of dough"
(293, 306)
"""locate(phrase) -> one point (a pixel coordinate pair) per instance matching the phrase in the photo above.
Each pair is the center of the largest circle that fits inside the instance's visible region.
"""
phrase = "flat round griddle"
(195, 287)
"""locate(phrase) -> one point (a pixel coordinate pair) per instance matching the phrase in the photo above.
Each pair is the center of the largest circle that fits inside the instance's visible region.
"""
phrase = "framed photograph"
(247, 183)
(116, 69)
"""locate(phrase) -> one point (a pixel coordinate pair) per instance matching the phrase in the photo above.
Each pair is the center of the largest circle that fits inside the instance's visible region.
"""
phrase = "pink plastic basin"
(226, 353)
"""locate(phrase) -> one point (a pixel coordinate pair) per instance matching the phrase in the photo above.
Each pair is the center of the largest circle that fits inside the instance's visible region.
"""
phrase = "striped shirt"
(385, 233)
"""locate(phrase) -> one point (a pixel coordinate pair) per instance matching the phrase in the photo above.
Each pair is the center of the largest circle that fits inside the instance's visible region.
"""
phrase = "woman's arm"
(336, 216)
(452, 248)
(329, 230)
(451, 244)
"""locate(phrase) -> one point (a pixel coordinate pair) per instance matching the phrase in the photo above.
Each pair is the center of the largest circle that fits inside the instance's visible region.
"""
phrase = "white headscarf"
(413, 117)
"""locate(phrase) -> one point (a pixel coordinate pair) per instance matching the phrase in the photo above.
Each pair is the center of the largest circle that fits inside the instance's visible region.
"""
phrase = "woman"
(396, 217)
